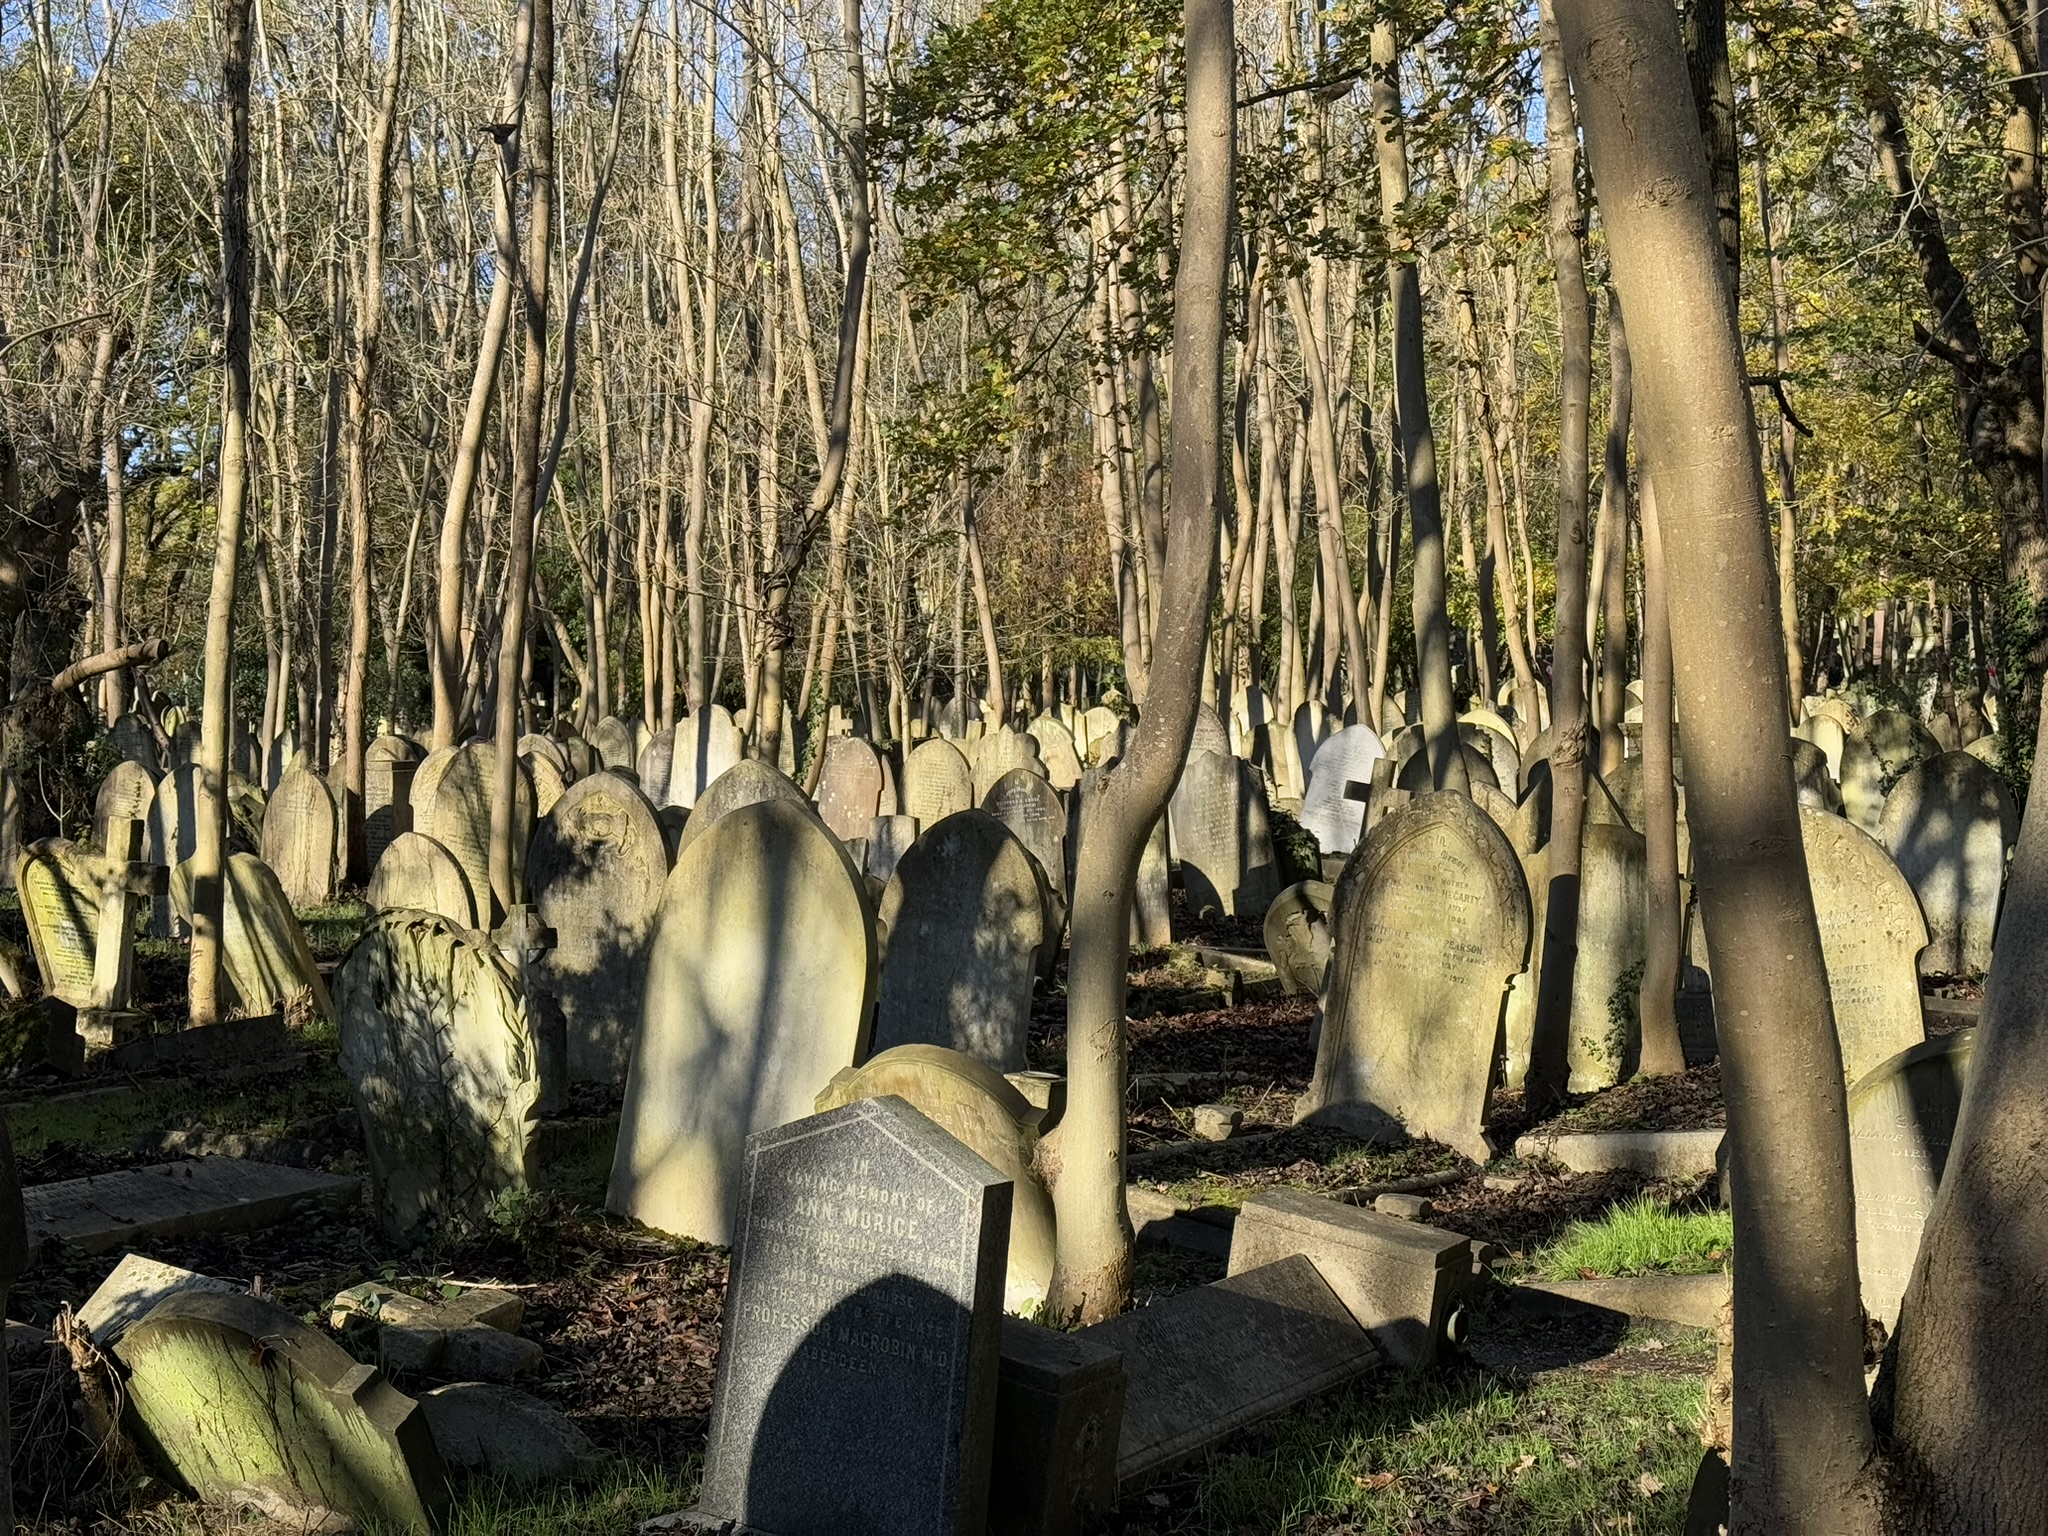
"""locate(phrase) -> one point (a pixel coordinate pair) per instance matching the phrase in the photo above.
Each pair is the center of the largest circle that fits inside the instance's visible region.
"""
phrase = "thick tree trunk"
(1802, 1436)
(1092, 1274)
(217, 717)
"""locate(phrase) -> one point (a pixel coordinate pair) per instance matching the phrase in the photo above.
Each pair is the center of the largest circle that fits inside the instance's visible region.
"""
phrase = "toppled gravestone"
(506, 1435)
(471, 1336)
(245, 1404)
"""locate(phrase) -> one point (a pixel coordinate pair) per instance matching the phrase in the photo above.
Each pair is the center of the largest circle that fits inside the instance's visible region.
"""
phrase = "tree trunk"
(1657, 998)
(1802, 1435)
(1788, 438)
(217, 717)
(1092, 1273)
(1547, 1053)
(114, 567)
(1611, 562)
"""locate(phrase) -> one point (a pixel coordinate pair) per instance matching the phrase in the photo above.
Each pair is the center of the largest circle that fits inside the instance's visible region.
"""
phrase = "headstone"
(1863, 785)
(1825, 734)
(1949, 824)
(982, 1111)
(1100, 726)
(1152, 903)
(263, 949)
(1030, 807)
(1338, 762)
(1871, 932)
(137, 744)
(966, 928)
(128, 793)
(1223, 837)
(889, 838)
(761, 976)
(861, 1331)
(596, 869)
(299, 831)
(614, 741)
(462, 820)
(1606, 1028)
(1210, 736)
(850, 787)
(417, 873)
(747, 782)
(390, 764)
(426, 783)
(936, 782)
(245, 1403)
(1415, 769)
(1056, 750)
(1813, 778)
(1899, 741)
(60, 888)
(546, 778)
(706, 745)
(1902, 1117)
(1432, 919)
(496, 1432)
(656, 762)
(1312, 726)
(444, 1067)
(1274, 753)
(1003, 751)
(1298, 936)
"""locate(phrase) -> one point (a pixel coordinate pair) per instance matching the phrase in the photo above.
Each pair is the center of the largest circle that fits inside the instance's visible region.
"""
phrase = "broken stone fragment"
(1217, 1122)
(464, 1337)
(498, 1432)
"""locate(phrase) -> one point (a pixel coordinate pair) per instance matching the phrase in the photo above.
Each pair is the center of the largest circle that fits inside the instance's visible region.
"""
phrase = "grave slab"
(213, 1194)
(1059, 1408)
(1659, 1154)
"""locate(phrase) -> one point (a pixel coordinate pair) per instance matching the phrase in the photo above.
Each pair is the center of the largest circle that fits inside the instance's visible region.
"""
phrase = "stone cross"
(126, 882)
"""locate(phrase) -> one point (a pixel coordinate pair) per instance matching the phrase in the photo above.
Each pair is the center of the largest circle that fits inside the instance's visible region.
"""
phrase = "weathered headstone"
(614, 741)
(1813, 778)
(1899, 741)
(1101, 726)
(426, 784)
(443, 1065)
(861, 1331)
(936, 782)
(1336, 763)
(1056, 750)
(851, 787)
(390, 764)
(761, 976)
(547, 779)
(1002, 751)
(596, 869)
(1030, 807)
(1432, 919)
(656, 762)
(1222, 834)
(263, 948)
(60, 902)
(1902, 1117)
(417, 873)
(1312, 726)
(747, 782)
(1863, 785)
(706, 745)
(985, 1113)
(245, 1403)
(1949, 824)
(299, 831)
(137, 744)
(128, 793)
(1606, 1030)
(1298, 935)
(1871, 932)
(462, 819)
(965, 929)
(889, 838)
(1210, 736)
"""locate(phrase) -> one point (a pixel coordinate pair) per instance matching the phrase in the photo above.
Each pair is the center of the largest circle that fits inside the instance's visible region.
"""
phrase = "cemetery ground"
(1551, 1420)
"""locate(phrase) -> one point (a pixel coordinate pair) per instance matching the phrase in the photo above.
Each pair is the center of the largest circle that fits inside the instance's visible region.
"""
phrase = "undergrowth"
(1645, 1236)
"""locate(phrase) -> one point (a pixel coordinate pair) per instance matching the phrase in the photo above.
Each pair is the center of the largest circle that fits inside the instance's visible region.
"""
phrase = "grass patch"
(1640, 1238)
(628, 1494)
(333, 928)
(1565, 1454)
(110, 1123)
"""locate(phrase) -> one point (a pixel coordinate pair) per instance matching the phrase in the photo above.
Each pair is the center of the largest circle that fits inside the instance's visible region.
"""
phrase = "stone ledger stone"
(760, 981)
(105, 1211)
(1432, 920)
(857, 1373)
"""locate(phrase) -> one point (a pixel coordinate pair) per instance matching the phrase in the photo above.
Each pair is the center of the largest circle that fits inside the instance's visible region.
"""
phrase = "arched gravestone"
(60, 887)
(614, 740)
(1899, 741)
(761, 973)
(1863, 789)
(656, 763)
(1431, 920)
(1210, 735)
(1056, 750)
(546, 778)
(1988, 749)
(936, 782)
(706, 745)
(1871, 932)
(1312, 726)
(851, 787)
(1222, 834)
(747, 782)
(387, 793)
(253, 1406)
(966, 929)
(1825, 735)
(1494, 739)
(126, 794)
(462, 821)
(137, 744)
(1000, 752)
(263, 948)
(299, 831)
(596, 871)
(444, 1067)
(1902, 1117)
(1949, 824)
(1099, 725)
(1031, 809)
(1341, 760)
(426, 783)
(418, 874)
(534, 744)
(1298, 935)
(979, 1109)
(1813, 778)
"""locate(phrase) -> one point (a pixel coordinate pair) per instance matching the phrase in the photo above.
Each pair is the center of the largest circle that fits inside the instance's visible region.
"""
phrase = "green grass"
(111, 1123)
(628, 1494)
(332, 929)
(1567, 1454)
(1640, 1238)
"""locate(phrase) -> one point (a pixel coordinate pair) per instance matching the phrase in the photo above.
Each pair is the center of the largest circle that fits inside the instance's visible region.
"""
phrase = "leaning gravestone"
(985, 1113)
(426, 783)
(299, 832)
(1899, 741)
(1432, 920)
(1223, 837)
(760, 981)
(1056, 750)
(936, 782)
(247, 1404)
(706, 745)
(1338, 762)
(1298, 935)
(1871, 932)
(1030, 807)
(444, 1067)
(418, 874)
(263, 948)
(862, 1333)
(546, 778)
(614, 741)
(657, 761)
(596, 870)
(965, 928)
(173, 836)
(747, 782)
(60, 902)
(390, 765)
(1949, 824)
(1902, 1117)
(462, 819)
(137, 744)
(1863, 785)
(126, 794)
(851, 788)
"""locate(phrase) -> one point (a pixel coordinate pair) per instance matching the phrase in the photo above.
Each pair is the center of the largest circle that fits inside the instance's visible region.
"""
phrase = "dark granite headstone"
(857, 1376)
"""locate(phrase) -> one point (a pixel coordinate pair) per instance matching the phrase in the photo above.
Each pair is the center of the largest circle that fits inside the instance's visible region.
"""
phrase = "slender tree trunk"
(114, 567)
(1092, 1272)
(1611, 568)
(217, 716)
(1788, 438)
(1548, 1069)
(1657, 999)
(1802, 1434)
